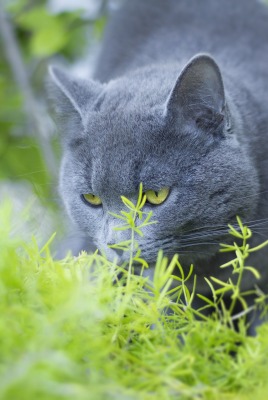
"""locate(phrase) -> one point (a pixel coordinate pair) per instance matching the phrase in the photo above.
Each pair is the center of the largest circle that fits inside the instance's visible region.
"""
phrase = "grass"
(84, 328)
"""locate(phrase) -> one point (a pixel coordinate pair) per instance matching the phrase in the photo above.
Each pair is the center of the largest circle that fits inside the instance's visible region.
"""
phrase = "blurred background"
(34, 34)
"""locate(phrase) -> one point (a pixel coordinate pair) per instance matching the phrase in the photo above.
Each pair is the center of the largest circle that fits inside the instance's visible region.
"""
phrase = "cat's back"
(144, 32)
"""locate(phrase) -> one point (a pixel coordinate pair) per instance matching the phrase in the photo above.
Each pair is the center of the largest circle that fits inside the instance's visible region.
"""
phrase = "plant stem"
(244, 255)
(35, 114)
(131, 252)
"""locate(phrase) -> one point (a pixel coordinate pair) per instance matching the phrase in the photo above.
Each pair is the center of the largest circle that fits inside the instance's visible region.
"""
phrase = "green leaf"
(121, 228)
(220, 282)
(117, 216)
(128, 203)
(49, 40)
(140, 197)
(141, 261)
(253, 271)
(48, 243)
(206, 300)
(35, 19)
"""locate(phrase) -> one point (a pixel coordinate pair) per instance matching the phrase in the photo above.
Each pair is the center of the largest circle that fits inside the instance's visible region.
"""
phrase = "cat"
(179, 102)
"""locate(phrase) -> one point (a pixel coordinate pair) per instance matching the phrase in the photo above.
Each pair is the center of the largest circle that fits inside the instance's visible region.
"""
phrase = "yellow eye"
(92, 199)
(157, 197)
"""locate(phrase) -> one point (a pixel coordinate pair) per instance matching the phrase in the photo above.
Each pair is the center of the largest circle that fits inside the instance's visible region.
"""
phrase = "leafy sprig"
(130, 218)
(234, 289)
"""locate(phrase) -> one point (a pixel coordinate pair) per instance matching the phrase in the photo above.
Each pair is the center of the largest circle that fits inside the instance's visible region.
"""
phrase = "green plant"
(85, 328)
(231, 289)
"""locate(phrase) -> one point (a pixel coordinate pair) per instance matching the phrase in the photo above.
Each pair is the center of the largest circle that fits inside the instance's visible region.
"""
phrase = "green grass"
(74, 329)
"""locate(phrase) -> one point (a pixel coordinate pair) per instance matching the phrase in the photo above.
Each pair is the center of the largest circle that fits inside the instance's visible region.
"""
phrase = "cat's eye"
(92, 199)
(157, 196)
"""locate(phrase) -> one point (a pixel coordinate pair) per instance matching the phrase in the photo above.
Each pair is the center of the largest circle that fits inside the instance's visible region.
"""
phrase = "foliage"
(130, 223)
(39, 37)
(86, 328)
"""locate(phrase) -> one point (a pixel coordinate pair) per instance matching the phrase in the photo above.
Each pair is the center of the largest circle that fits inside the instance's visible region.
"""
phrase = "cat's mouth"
(114, 255)
(194, 246)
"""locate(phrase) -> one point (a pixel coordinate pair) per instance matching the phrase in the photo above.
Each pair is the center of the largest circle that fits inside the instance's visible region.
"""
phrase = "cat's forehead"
(123, 127)
(137, 131)
(134, 93)
(120, 172)
(119, 145)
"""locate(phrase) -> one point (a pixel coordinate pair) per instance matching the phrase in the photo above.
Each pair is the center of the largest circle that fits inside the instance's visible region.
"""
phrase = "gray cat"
(179, 102)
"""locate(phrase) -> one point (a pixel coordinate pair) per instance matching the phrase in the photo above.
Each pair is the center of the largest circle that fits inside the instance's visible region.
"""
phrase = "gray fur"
(180, 99)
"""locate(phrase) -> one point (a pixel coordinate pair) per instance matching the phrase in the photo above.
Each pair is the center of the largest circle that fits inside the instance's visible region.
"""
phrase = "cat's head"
(174, 132)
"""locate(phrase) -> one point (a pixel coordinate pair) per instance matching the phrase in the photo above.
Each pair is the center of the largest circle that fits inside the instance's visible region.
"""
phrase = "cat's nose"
(118, 252)
(114, 255)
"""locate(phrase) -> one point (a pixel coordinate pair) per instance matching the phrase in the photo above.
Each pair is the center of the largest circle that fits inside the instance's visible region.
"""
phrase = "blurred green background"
(34, 34)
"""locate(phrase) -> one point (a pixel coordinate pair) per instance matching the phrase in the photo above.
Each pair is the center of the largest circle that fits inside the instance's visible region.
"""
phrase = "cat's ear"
(71, 95)
(198, 94)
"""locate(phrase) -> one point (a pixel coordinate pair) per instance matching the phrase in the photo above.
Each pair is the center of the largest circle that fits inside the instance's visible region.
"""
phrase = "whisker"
(200, 244)
(204, 234)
